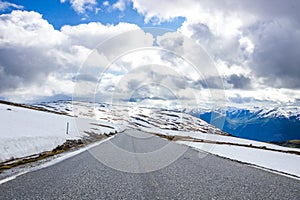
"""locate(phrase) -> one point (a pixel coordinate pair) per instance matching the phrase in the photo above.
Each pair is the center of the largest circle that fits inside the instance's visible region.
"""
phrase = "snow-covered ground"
(25, 132)
(273, 160)
(281, 162)
(131, 116)
(225, 139)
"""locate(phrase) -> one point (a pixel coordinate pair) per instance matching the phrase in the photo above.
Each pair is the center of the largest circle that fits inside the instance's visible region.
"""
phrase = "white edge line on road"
(11, 177)
(56, 160)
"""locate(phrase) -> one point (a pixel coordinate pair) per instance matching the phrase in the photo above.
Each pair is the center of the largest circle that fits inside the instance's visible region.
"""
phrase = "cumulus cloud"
(178, 46)
(92, 34)
(250, 48)
(120, 5)
(81, 6)
(152, 83)
(262, 36)
(38, 60)
(28, 48)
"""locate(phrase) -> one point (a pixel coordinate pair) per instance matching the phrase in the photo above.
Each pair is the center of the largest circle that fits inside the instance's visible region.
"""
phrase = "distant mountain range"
(268, 125)
(279, 124)
(131, 116)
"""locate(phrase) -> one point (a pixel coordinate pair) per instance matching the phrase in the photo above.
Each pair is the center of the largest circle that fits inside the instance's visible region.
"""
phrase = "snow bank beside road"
(25, 132)
(223, 138)
(279, 161)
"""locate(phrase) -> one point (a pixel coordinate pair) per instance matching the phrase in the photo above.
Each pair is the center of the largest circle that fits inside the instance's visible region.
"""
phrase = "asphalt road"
(142, 166)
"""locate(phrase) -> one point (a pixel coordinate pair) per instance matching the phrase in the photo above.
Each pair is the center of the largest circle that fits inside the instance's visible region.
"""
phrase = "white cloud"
(28, 29)
(246, 44)
(254, 45)
(263, 97)
(92, 34)
(164, 66)
(248, 40)
(4, 5)
(37, 60)
(105, 3)
(262, 36)
(30, 49)
(81, 6)
(225, 24)
(120, 5)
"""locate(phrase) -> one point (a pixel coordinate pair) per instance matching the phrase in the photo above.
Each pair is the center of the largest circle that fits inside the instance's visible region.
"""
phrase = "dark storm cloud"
(276, 36)
(226, 49)
(276, 56)
(239, 81)
(212, 82)
(23, 66)
(274, 28)
(36, 59)
(29, 50)
(233, 81)
(85, 77)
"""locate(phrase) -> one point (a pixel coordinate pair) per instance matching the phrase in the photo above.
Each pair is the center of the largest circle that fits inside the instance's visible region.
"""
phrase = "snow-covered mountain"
(130, 116)
(27, 131)
(270, 125)
(32, 129)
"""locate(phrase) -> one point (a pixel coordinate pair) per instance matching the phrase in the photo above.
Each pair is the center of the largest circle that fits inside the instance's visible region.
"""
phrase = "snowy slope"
(176, 123)
(25, 132)
(132, 116)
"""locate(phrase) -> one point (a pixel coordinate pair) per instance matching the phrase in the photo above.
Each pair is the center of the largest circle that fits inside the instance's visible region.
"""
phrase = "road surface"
(191, 176)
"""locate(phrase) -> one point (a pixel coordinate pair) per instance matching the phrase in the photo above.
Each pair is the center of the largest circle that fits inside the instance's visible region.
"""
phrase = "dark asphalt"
(191, 176)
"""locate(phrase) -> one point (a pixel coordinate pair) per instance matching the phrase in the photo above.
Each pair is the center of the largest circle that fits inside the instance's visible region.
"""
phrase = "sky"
(196, 53)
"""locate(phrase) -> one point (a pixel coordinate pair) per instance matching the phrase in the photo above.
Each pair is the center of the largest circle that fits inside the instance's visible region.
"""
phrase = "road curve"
(191, 175)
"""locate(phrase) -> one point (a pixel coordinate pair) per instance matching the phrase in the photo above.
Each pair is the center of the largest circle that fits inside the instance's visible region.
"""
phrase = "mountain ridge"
(277, 124)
